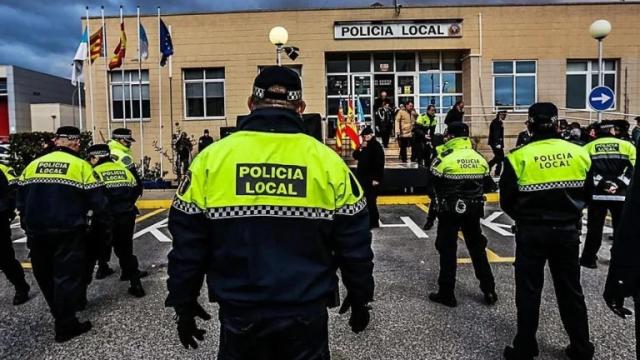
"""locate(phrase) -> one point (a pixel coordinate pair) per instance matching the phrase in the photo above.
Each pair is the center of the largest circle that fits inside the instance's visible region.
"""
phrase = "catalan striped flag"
(96, 42)
(340, 125)
(118, 54)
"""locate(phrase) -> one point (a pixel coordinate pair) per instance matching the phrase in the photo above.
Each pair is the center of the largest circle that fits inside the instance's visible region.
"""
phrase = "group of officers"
(74, 211)
(270, 259)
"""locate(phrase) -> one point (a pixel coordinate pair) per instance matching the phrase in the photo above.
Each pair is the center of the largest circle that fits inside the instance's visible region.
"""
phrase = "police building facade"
(492, 57)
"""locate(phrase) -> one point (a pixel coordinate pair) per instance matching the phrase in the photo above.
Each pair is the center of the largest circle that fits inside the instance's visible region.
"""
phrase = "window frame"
(204, 81)
(129, 85)
(513, 108)
(440, 110)
(589, 73)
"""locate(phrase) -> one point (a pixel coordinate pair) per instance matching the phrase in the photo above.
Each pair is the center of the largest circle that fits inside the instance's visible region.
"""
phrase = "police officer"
(268, 214)
(423, 130)
(612, 162)
(57, 194)
(459, 176)
(543, 189)
(496, 141)
(623, 279)
(8, 263)
(115, 225)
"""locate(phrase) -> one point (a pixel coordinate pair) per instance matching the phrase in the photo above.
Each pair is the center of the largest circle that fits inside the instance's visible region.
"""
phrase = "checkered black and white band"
(230, 212)
(464, 176)
(551, 186)
(610, 156)
(291, 95)
(60, 182)
(119, 185)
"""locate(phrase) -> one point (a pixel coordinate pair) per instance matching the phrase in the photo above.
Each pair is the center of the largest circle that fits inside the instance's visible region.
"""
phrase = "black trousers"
(8, 263)
(371, 194)
(122, 240)
(58, 262)
(98, 248)
(498, 159)
(404, 143)
(559, 245)
(447, 245)
(596, 215)
(418, 149)
(384, 135)
(303, 337)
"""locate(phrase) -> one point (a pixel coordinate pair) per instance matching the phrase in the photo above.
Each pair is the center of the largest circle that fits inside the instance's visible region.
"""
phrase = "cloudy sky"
(43, 34)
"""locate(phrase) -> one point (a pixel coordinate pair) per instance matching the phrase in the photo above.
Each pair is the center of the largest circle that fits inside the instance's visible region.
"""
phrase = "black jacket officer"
(496, 141)
(58, 193)
(8, 263)
(623, 279)
(370, 170)
(269, 214)
(459, 177)
(544, 189)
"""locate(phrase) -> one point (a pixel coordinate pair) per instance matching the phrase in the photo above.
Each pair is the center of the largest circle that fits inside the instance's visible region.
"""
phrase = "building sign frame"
(397, 29)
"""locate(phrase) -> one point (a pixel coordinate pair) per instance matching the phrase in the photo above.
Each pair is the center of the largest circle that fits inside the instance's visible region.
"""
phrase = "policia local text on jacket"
(544, 189)
(459, 175)
(268, 214)
(612, 167)
(116, 224)
(8, 263)
(57, 193)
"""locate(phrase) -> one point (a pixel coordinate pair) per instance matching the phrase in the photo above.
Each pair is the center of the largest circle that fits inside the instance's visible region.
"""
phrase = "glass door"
(406, 89)
(362, 91)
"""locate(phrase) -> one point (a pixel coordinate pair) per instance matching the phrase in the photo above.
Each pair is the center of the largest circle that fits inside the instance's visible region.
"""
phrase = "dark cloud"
(44, 34)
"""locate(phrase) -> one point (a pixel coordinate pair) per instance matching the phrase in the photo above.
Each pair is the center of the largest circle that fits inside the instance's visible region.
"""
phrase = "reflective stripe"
(609, 197)
(118, 185)
(624, 179)
(551, 186)
(610, 156)
(597, 179)
(464, 176)
(230, 212)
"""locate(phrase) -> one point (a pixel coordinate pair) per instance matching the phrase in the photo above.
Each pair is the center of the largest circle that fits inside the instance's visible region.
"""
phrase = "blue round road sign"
(601, 98)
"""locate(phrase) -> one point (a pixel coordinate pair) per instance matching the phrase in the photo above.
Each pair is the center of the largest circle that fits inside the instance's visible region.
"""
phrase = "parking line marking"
(146, 216)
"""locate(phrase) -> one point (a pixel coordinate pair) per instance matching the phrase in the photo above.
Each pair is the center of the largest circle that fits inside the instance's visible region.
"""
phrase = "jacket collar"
(115, 144)
(458, 143)
(103, 160)
(66, 150)
(273, 120)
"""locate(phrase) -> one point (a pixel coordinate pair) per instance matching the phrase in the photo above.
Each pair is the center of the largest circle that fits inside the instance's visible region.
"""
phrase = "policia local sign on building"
(397, 29)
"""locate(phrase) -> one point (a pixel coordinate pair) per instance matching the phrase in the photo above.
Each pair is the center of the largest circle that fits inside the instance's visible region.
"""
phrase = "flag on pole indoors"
(166, 44)
(118, 54)
(95, 45)
(144, 44)
(79, 58)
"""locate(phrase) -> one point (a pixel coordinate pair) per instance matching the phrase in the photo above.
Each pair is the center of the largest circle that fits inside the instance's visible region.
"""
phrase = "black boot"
(444, 299)
(589, 263)
(490, 298)
(68, 332)
(127, 277)
(511, 353)
(136, 288)
(104, 271)
(429, 224)
(22, 295)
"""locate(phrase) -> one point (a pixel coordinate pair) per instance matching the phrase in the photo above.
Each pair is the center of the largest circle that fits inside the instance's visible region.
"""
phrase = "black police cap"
(458, 129)
(122, 134)
(366, 131)
(99, 150)
(543, 113)
(278, 83)
(68, 132)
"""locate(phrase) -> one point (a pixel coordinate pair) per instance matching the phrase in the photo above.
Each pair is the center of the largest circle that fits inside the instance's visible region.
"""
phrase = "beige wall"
(239, 43)
(49, 117)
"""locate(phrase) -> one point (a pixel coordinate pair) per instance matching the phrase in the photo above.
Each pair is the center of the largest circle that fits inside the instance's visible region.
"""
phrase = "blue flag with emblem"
(166, 44)
(360, 110)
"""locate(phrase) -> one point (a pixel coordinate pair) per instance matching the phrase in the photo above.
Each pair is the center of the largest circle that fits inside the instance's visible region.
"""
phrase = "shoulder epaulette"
(446, 152)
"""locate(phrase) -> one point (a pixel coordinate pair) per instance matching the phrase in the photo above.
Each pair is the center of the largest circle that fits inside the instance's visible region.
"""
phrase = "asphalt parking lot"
(405, 324)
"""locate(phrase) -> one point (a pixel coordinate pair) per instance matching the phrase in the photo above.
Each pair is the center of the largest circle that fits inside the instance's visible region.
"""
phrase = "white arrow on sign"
(603, 98)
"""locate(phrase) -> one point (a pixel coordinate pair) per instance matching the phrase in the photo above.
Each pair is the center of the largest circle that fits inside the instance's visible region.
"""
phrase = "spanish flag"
(118, 54)
(340, 126)
(95, 45)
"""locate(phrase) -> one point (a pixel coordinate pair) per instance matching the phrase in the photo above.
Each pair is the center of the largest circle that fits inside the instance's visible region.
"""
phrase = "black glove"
(359, 315)
(614, 297)
(188, 331)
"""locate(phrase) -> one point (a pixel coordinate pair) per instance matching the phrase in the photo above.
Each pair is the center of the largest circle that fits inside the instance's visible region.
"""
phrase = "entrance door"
(362, 90)
(406, 89)
(4, 119)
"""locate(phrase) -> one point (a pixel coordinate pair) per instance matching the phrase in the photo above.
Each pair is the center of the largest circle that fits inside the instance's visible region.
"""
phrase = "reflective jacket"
(122, 154)
(459, 172)
(268, 214)
(121, 187)
(8, 186)
(426, 124)
(612, 162)
(544, 182)
(57, 191)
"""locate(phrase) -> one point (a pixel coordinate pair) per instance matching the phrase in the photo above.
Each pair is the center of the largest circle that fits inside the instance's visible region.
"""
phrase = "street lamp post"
(278, 37)
(599, 30)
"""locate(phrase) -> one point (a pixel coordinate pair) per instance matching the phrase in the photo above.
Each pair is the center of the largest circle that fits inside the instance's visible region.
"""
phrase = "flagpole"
(124, 101)
(93, 120)
(173, 155)
(80, 104)
(160, 96)
(106, 73)
(140, 90)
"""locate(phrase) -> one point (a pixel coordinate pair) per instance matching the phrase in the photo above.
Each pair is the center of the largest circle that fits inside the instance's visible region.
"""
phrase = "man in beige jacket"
(405, 118)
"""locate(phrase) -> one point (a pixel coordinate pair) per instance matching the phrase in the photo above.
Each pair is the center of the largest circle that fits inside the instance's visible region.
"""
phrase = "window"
(440, 80)
(204, 93)
(3, 86)
(514, 84)
(582, 76)
(128, 106)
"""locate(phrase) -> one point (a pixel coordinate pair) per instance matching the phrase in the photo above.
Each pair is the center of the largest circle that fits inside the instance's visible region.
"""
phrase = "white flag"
(78, 60)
